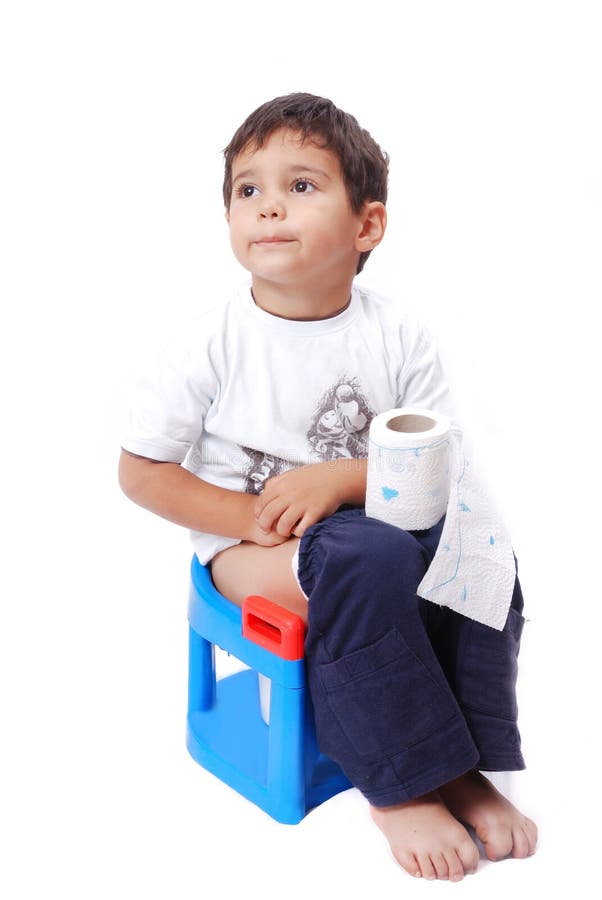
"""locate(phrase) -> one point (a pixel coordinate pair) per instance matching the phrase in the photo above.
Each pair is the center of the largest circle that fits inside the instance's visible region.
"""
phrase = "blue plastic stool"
(278, 767)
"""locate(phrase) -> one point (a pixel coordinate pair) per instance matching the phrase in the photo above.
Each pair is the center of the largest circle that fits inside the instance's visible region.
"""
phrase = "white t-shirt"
(245, 395)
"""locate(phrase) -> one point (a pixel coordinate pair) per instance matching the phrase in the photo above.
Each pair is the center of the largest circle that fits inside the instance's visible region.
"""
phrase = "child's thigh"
(248, 568)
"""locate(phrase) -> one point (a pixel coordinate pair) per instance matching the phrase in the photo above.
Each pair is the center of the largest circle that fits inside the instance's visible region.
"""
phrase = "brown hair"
(364, 165)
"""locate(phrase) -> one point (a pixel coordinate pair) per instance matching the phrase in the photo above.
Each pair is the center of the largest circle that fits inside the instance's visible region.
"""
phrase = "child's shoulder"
(198, 327)
(190, 344)
(394, 313)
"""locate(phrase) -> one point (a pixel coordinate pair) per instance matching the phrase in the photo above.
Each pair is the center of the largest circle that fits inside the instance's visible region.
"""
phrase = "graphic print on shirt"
(340, 426)
(261, 467)
(338, 430)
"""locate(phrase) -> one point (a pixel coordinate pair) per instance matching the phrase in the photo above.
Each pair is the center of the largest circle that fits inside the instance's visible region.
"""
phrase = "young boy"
(254, 435)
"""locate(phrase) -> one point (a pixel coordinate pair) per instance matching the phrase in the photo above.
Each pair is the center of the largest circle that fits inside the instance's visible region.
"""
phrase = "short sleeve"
(168, 405)
(422, 381)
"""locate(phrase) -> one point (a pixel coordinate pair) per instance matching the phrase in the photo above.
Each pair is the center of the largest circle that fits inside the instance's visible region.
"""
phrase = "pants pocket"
(384, 698)
(489, 668)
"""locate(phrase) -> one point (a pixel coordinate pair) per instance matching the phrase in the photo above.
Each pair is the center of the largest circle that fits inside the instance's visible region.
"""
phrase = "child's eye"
(246, 190)
(303, 186)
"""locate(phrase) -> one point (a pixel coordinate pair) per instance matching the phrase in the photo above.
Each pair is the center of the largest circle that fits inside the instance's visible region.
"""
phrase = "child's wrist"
(249, 526)
(351, 477)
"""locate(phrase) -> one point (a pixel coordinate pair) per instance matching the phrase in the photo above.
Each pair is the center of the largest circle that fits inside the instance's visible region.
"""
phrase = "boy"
(268, 402)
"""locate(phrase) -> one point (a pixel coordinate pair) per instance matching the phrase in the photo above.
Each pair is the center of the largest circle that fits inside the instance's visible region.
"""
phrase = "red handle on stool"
(271, 626)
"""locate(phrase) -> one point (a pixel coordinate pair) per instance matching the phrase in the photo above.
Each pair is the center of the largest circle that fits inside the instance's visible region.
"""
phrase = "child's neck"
(302, 303)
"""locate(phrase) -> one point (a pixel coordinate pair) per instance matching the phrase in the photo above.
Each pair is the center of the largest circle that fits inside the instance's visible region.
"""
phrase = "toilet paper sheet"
(418, 472)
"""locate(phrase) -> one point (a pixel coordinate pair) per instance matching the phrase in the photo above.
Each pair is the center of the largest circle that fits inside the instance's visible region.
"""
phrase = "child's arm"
(293, 501)
(176, 494)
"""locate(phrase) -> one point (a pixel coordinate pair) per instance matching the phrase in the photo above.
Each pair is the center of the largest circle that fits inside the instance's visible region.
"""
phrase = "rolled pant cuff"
(425, 766)
(428, 781)
(498, 741)
(514, 763)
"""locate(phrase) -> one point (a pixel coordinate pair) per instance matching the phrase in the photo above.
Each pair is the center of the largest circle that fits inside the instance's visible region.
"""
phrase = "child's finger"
(288, 521)
(304, 523)
(270, 514)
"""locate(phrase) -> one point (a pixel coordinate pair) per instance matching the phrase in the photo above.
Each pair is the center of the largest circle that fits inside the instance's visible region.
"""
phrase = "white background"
(113, 118)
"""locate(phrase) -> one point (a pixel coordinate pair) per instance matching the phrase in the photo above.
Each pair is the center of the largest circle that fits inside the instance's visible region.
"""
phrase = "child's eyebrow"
(292, 170)
(248, 173)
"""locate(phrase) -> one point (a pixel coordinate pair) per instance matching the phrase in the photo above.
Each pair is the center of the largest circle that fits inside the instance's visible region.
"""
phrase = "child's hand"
(249, 527)
(257, 535)
(293, 501)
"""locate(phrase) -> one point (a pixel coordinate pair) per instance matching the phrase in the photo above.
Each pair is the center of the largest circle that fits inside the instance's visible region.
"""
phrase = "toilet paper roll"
(417, 473)
(408, 468)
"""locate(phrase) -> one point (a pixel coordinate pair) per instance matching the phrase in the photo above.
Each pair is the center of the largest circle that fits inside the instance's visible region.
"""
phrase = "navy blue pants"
(407, 695)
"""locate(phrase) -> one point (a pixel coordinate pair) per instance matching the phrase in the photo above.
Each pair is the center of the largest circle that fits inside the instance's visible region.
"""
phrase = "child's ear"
(227, 215)
(373, 223)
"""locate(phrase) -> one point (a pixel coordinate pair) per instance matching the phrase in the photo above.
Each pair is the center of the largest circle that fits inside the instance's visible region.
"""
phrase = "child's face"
(290, 219)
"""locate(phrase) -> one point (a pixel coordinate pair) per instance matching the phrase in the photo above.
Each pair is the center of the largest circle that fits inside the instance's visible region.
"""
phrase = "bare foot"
(498, 824)
(426, 840)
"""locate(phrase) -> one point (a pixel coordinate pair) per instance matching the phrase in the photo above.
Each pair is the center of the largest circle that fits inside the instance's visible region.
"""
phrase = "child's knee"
(375, 548)
(359, 566)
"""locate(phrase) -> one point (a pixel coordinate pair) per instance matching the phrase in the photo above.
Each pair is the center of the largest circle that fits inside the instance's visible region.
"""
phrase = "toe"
(409, 862)
(440, 865)
(468, 853)
(520, 848)
(454, 866)
(531, 831)
(497, 842)
(426, 866)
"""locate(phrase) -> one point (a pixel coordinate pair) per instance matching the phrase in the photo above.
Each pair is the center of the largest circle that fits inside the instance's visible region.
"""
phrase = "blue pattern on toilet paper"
(461, 505)
(458, 576)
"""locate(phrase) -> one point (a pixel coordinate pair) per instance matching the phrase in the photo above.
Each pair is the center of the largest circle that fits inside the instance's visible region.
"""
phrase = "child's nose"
(271, 208)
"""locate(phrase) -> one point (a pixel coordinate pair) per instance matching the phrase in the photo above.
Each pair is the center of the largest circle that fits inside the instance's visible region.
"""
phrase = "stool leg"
(286, 769)
(201, 672)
